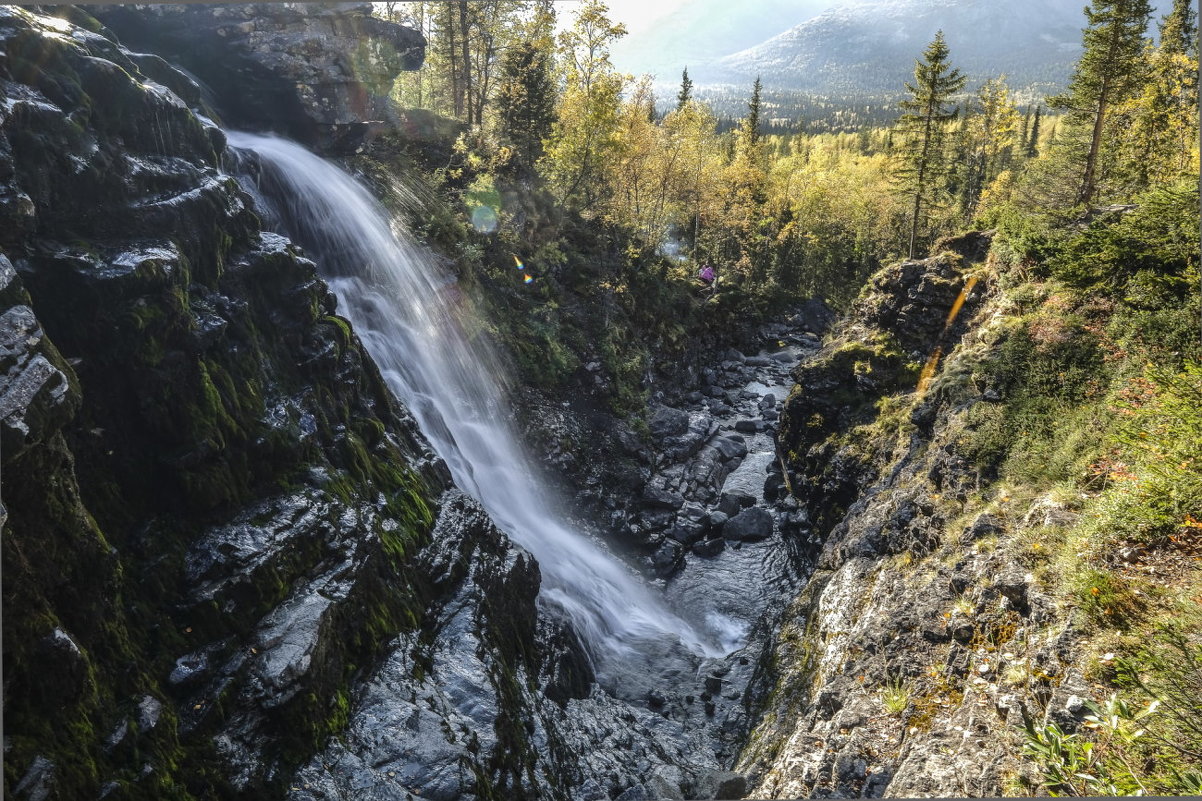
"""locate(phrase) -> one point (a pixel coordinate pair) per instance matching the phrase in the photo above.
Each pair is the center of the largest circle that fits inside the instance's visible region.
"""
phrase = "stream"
(673, 653)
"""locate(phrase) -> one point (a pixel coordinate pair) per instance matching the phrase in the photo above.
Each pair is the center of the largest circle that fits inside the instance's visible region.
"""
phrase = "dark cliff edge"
(318, 73)
(217, 521)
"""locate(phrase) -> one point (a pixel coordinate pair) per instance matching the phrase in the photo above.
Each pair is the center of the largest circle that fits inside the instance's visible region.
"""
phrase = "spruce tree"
(752, 122)
(1179, 30)
(1111, 70)
(921, 163)
(1160, 127)
(1033, 141)
(686, 90)
(526, 101)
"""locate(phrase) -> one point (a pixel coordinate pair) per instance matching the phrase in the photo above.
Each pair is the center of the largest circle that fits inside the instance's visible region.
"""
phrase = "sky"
(637, 14)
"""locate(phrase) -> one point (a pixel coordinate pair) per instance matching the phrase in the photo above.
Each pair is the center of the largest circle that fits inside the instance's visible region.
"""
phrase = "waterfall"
(404, 307)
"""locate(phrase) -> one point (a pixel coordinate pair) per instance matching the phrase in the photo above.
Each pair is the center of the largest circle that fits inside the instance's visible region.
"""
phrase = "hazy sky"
(637, 14)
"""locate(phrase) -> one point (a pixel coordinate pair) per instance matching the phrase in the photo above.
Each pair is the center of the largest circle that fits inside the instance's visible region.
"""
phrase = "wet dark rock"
(687, 532)
(36, 397)
(693, 512)
(733, 501)
(774, 487)
(205, 370)
(636, 793)
(320, 73)
(190, 669)
(38, 782)
(666, 559)
(666, 422)
(731, 446)
(717, 519)
(709, 548)
(697, 431)
(659, 498)
(747, 426)
(749, 525)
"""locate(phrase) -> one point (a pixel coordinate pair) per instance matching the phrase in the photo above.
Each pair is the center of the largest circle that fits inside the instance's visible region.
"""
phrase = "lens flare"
(518, 262)
(484, 219)
(527, 278)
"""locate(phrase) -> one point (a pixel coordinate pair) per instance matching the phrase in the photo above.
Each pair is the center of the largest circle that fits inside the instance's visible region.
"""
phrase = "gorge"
(287, 512)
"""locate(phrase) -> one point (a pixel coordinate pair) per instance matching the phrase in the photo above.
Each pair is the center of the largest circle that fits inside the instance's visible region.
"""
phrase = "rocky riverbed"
(655, 721)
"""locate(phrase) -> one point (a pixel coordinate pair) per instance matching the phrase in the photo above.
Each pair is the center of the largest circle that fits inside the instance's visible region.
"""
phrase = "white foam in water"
(402, 306)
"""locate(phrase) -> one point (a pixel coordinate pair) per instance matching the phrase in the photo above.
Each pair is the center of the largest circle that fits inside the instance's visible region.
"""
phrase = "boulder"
(731, 446)
(660, 498)
(666, 560)
(749, 525)
(667, 422)
(732, 502)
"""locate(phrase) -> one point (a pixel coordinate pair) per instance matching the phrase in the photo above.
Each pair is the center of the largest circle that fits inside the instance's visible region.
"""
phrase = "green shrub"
(1155, 489)
(1159, 236)
(1107, 599)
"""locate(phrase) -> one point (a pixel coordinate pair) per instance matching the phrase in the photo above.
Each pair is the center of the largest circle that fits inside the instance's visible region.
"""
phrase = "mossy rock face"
(201, 447)
(910, 313)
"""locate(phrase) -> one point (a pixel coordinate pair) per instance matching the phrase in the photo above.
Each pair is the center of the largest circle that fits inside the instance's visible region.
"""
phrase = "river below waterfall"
(674, 652)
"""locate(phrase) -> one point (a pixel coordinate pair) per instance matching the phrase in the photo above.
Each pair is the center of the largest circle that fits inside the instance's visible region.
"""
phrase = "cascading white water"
(404, 308)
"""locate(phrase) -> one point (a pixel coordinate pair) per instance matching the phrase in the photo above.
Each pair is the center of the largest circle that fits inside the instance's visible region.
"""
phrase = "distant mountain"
(869, 46)
(700, 33)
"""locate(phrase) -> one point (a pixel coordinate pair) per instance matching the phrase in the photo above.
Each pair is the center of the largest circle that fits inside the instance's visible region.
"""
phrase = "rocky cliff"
(319, 73)
(216, 517)
(921, 643)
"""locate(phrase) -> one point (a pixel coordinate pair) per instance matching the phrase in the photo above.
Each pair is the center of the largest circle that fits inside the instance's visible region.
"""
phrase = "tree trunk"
(922, 171)
(1088, 183)
(465, 45)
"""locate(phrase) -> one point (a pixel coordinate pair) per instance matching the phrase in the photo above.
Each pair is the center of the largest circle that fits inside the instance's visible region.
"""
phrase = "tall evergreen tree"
(752, 121)
(921, 162)
(686, 90)
(1111, 70)
(1160, 126)
(1179, 30)
(526, 101)
(1033, 141)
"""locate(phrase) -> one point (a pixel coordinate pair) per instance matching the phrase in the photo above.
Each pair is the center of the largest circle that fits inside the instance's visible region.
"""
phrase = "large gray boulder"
(749, 525)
